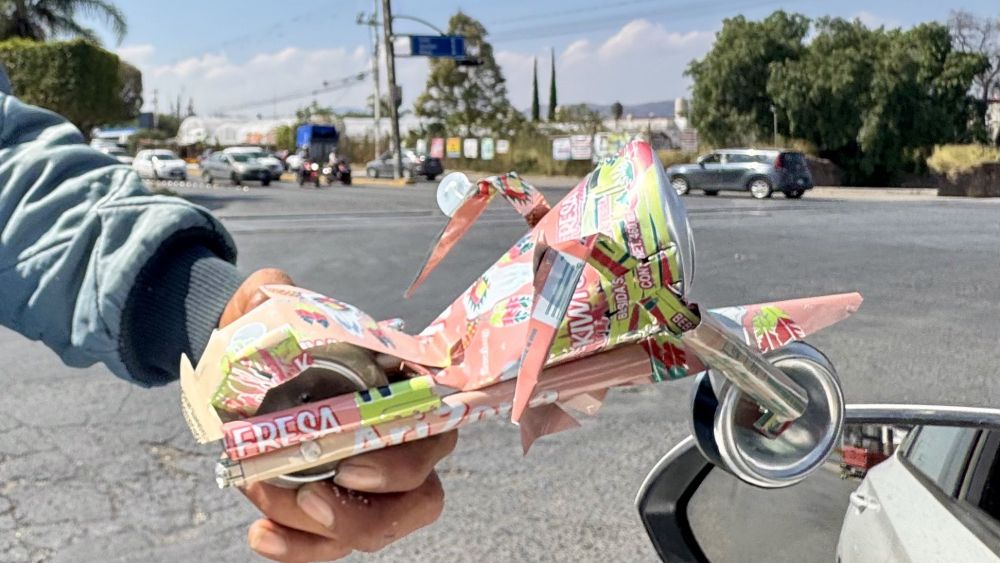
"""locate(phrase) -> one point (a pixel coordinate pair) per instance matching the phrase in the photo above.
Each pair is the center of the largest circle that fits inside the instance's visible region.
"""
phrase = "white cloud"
(873, 20)
(136, 54)
(640, 62)
(576, 51)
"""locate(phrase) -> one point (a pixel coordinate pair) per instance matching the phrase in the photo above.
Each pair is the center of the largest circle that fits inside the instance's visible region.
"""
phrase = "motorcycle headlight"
(314, 166)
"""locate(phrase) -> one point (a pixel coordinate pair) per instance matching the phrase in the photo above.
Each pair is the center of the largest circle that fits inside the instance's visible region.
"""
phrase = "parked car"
(413, 165)
(160, 164)
(269, 161)
(234, 167)
(117, 152)
(760, 172)
(935, 499)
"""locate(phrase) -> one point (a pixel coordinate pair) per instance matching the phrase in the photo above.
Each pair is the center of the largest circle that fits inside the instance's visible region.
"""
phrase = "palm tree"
(45, 19)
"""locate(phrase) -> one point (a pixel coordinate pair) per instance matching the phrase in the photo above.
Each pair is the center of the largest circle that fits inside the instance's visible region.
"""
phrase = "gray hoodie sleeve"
(93, 265)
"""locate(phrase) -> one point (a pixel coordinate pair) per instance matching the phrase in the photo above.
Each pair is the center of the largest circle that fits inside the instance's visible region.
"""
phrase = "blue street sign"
(445, 46)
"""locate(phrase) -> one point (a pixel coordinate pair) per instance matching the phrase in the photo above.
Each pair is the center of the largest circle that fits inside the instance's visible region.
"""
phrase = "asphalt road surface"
(95, 469)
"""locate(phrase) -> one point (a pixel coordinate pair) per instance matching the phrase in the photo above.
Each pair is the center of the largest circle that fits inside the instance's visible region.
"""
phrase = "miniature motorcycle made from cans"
(594, 296)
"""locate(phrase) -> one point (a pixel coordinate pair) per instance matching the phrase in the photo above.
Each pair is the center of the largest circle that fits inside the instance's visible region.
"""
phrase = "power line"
(682, 12)
(560, 14)
(328, 86)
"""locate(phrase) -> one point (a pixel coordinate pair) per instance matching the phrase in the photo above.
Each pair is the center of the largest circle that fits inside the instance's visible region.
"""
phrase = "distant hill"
(658, 109)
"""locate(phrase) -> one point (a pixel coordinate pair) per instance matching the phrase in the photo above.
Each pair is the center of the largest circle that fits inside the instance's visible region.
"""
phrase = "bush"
(952, 160)
(77, 79)
(672, 157)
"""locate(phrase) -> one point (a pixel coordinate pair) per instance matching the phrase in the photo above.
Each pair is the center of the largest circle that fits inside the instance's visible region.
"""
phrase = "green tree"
(731, 104)
(46, 19)
(617, 110)
(980, 36)
(78, 79)
(535, 113)
(553, 103)
(284, 138)
(467, 99)
(580, 117)
(168, 123)
(315, 113)
(877, 101)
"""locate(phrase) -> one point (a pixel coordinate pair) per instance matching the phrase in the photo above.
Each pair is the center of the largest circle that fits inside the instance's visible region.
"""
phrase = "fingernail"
(315, 507)
(359, 477)
(267, 542)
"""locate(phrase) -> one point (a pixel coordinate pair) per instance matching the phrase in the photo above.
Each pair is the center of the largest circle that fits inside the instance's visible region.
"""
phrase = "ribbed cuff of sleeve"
(175, 304)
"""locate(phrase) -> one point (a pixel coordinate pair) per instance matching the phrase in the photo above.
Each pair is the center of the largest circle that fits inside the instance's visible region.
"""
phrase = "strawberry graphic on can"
(773, 328)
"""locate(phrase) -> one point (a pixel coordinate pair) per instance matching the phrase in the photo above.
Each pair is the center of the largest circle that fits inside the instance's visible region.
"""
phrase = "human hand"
(249, 296)
(325, 521)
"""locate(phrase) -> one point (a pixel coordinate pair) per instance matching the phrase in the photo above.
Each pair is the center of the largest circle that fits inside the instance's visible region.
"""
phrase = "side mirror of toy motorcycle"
(452, 191)
(915, 479)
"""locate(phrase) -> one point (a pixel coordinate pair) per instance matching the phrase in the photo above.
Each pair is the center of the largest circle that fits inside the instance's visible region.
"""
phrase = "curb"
(874, 193)
(385, 183)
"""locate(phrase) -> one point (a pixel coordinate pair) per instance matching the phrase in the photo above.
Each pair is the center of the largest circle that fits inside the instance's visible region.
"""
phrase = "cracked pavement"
(95, 469)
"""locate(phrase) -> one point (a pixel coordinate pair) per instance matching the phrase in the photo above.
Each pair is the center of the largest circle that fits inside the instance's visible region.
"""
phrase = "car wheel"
(795, 194)
(207, 176)
(265, 182)
(371, 173)
(760, 188)
(680, 184)
(235, 179)
(711, 192)
(431, 177)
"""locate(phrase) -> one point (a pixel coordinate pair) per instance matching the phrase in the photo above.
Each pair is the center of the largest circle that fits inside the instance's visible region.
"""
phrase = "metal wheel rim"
(759, 189)
(680, 185)
(816, 375)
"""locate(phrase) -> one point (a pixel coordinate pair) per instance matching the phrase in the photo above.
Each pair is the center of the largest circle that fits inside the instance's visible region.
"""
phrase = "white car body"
(273, 165)
(117, 152)
(897, 516)
(294, 162)
(160, 164)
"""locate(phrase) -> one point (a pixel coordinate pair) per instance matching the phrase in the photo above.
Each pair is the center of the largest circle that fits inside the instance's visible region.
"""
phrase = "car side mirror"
(694, 510)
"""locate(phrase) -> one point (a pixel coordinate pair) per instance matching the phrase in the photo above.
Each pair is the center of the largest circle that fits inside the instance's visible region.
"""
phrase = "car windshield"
(165, 156)
(241, 157)
(115, 151)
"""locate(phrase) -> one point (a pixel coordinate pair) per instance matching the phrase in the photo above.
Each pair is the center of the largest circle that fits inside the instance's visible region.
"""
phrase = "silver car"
(236, 168)
(413, 165)
(760, 172)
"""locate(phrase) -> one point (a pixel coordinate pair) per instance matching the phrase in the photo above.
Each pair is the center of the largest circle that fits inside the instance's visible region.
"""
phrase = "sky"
(236, 57)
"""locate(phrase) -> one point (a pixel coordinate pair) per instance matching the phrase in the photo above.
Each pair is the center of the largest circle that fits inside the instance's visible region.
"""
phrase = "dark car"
(760, 172)
(413, 165)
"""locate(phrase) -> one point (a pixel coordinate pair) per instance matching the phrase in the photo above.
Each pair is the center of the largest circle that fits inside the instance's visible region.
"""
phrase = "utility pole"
(390, 64)
(156, 108)
(377, 106)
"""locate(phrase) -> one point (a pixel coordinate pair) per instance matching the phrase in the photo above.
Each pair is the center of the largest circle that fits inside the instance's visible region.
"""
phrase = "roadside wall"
(982, 181)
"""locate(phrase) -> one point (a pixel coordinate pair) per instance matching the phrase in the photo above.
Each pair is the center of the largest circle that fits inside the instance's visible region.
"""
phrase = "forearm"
(76, 231)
